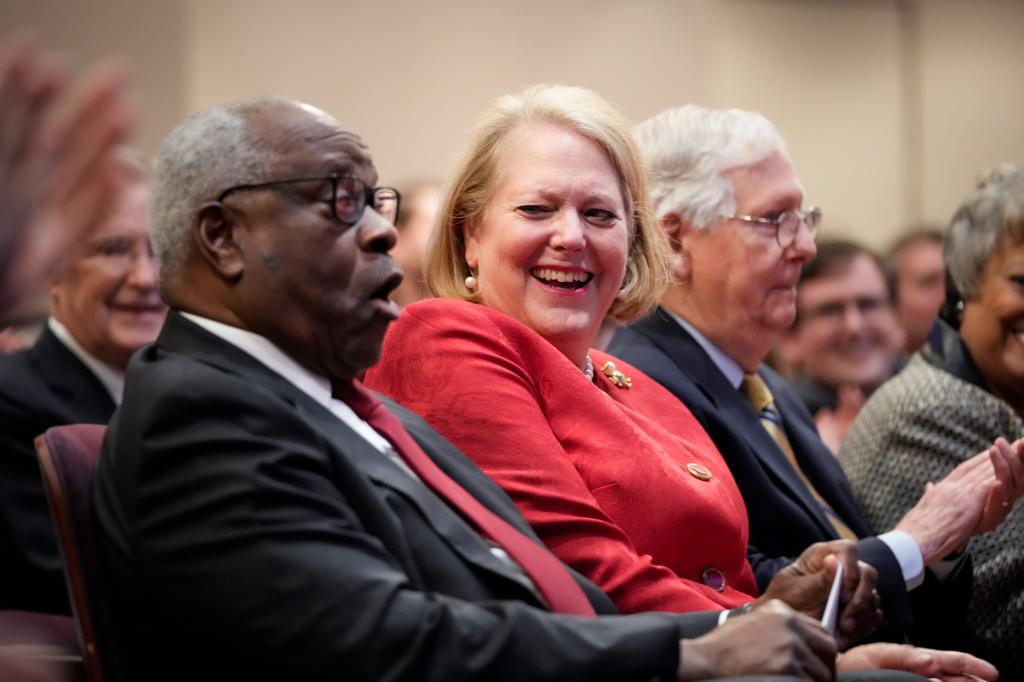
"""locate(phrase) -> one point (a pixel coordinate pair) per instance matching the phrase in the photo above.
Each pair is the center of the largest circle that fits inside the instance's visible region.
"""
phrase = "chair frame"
(74, 572)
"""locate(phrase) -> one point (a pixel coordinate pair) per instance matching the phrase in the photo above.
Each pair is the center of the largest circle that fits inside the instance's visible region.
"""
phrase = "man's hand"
(805, 585)
(973, 499)
(947, 666)
(55, 182)
(770, 640)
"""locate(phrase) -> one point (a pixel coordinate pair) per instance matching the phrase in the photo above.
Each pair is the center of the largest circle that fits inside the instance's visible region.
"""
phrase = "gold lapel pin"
(615, 376)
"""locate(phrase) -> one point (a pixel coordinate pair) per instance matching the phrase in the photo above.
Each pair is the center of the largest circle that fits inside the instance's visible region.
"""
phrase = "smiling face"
(550, 249)
(107, 297)
(847, 333)
(314, 286)
(740, 288)
(993, 324)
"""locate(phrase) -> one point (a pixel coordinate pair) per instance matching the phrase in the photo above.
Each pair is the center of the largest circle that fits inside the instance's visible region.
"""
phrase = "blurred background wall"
(890, 107)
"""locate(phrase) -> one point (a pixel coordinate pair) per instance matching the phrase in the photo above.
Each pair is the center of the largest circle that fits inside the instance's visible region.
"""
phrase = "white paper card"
(831, 615)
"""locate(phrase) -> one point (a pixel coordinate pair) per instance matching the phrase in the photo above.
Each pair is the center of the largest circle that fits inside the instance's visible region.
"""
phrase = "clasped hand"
(805, 585)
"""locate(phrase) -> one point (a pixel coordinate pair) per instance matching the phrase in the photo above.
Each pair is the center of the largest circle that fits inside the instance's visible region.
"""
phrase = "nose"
(853, 318)
(142, 273)
(376, 234)
(568, 234)
(803, 247)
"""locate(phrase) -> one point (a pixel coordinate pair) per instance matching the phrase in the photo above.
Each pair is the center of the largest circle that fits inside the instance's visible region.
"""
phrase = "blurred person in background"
(960, 391)
(416, 218)
(917, 272)
(104, 305)
(845, 341)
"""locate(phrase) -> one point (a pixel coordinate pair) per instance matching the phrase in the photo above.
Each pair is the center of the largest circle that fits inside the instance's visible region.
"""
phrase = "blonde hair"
(471, 187)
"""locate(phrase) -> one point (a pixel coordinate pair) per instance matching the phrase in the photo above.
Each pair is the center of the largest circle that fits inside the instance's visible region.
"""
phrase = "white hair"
(687, 151)
(208, 152)
(992, 215)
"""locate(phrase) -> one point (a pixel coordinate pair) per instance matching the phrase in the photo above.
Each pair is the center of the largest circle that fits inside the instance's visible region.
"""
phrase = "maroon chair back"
(67, 459)
(38, 647)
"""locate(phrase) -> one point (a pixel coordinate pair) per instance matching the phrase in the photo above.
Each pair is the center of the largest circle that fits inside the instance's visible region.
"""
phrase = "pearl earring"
(471, 283)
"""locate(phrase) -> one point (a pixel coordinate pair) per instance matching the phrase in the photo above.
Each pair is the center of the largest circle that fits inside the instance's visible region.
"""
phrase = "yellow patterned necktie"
(755, 390)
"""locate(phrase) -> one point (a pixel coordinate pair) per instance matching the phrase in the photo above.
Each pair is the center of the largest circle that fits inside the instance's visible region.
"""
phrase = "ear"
(678, 231)
(472, 254)
(216, 236)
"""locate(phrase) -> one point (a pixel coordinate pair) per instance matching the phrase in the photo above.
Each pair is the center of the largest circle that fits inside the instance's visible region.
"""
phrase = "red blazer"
(599, 471)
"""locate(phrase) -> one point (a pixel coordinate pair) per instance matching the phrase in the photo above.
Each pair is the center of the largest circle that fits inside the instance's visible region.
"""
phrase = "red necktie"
(549, 574)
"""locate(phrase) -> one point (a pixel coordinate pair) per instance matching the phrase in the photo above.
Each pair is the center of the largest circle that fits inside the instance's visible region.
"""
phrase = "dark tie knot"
(356, 396)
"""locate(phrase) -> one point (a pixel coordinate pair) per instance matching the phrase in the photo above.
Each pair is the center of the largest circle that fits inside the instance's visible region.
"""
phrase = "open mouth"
(562, 279)
(383, 292)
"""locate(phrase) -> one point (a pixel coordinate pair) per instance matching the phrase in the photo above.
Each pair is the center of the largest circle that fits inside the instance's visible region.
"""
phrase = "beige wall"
(411, 76)
(150, 35)
(972, 96)
(890, 106)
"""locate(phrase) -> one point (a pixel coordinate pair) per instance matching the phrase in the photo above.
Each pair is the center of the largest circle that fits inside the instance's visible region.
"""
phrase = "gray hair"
(208, 152)
(687, 151)
(992, 215)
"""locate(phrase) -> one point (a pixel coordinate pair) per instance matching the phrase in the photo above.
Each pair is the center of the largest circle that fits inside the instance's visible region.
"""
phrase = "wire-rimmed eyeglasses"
(787, 223)
(349, 196)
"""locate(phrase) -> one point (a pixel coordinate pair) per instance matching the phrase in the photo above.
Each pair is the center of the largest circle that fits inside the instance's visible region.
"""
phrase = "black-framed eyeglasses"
(349, 196)
(787, 223)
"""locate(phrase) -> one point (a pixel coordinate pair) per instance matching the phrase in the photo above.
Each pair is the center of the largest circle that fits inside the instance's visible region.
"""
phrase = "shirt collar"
(314, 385)
(726, 365)
(112, 379)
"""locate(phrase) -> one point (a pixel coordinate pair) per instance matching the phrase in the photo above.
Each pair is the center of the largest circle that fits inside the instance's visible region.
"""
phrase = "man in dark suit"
(104, 306)
(729, 199)
(265, 516)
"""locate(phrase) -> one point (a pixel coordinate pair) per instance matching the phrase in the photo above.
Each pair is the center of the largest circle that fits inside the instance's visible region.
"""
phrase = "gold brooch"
(615, 376)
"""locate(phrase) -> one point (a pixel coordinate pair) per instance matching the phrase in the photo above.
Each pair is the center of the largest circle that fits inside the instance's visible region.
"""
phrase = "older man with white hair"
(729, 199)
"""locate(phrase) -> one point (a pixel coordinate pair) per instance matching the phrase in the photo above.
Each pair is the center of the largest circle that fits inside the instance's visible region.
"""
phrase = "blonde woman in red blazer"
(543, 228)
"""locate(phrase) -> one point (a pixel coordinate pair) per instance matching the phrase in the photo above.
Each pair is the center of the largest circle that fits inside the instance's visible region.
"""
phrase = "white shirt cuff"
(908, 554)
(722, 616)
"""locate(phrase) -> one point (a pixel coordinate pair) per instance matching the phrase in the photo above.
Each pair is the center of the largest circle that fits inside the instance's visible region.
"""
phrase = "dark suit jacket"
(784, 518)
(252, 534)
(41, 387)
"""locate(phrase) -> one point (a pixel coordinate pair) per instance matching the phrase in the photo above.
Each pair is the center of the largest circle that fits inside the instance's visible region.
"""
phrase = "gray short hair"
(209, 151)
(687, 151)
(992, 215)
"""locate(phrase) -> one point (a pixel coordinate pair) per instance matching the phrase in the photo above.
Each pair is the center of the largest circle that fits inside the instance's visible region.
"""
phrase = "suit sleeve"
(489, 406)
(241, 521)
(31, 573)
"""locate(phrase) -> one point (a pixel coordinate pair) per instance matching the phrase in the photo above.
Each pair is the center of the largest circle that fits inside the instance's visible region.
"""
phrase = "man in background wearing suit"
(264, 516)
(729, 199)
(104, 306)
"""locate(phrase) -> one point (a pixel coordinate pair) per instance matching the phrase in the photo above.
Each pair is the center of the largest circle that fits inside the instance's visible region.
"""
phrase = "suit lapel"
(736, 412)
(181, 335)
(447, 523)
(81, 392)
